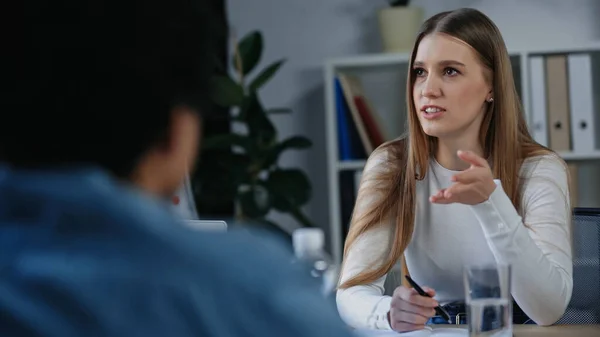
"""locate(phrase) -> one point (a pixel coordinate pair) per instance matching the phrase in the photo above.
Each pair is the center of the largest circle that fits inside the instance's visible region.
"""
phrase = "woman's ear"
(490, 97)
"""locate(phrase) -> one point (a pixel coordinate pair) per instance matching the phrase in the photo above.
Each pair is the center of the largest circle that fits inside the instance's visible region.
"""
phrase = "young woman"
(467, 185)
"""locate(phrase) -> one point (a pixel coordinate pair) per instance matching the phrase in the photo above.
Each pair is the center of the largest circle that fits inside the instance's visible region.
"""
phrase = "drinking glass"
(488, 300)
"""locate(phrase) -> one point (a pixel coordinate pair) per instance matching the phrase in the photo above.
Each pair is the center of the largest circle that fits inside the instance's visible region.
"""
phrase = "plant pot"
(398, 27)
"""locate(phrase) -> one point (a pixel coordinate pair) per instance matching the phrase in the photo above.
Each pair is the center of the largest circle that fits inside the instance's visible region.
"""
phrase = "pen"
(439, 310)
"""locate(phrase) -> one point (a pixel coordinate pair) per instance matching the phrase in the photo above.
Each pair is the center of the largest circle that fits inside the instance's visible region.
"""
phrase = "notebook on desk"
(442, 332)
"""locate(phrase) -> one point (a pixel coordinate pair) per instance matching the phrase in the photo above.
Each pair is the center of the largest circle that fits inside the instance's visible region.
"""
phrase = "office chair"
(584, 307)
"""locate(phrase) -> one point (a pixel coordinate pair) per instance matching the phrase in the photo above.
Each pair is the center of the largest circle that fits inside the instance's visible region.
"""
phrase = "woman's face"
(450, 90)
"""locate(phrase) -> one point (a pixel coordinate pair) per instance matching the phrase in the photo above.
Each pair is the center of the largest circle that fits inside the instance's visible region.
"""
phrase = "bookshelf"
(383, 80)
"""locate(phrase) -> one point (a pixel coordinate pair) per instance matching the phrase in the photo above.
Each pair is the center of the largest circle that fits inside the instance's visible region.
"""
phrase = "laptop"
(208, 225)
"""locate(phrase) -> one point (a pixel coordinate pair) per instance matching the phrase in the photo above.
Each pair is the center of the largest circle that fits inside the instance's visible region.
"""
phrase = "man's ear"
(181, 145)
(184, 125)
(162, 169)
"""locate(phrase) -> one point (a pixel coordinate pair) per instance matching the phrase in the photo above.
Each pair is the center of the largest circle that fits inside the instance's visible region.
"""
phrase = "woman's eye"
(450, 71)
(419, 71)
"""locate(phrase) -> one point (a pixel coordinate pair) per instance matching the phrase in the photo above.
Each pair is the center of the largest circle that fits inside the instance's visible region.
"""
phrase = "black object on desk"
(439, 310)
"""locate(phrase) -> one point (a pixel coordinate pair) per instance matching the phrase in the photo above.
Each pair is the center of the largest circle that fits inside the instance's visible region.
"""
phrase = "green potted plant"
(398, 25)
(250, 174)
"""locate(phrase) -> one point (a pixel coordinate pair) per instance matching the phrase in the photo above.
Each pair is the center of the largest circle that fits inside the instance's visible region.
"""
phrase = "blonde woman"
(468, 184)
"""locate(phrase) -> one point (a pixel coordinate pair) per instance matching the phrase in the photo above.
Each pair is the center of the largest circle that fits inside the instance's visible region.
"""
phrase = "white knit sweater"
(447, 237)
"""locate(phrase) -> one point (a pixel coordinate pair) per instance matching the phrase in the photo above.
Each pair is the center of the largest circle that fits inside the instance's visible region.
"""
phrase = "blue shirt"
(82, 254)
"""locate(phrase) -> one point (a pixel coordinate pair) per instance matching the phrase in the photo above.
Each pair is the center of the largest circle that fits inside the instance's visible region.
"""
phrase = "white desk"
(550, 331)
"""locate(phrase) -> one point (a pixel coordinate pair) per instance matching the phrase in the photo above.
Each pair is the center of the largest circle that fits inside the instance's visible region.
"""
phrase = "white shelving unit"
(384, 80)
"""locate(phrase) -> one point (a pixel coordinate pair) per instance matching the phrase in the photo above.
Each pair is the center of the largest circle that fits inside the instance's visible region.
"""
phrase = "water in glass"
(489, 300)
(489, 317)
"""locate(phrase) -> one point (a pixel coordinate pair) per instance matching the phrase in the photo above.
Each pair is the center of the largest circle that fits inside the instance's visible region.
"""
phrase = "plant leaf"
(224, 141)
(255, 201)
(250, 50)
(294, 142)
(212, 187)
(289, 189)
(279, 111)
(226, 92)
(216, 178)
(265, 75)
(234, 166)
(260, 127)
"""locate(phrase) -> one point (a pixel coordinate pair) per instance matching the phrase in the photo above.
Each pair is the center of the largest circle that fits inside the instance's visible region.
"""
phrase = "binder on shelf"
(574, 175)
(582, 102)
(368, 118)
(347, 82)
(539, 125)
(349, 144)
(362, 112)
(557, 100)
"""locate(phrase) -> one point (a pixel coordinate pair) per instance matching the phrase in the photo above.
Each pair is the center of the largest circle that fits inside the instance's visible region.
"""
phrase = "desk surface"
(546, 331)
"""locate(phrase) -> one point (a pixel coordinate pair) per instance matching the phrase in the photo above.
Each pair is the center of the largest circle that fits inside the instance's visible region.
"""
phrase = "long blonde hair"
(503, 134)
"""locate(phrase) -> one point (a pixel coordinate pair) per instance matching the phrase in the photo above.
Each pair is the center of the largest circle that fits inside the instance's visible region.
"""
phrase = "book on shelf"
(349, 143)
(359, 127)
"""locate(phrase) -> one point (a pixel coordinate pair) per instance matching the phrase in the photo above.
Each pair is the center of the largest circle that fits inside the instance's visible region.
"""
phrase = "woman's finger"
(413, 297)
(467, 176)
(411, 317)
(405, 327)
(438, 197)
(429, 291)
(454, 192)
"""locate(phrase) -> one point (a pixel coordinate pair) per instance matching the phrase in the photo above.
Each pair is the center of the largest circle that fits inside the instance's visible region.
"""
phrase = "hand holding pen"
(410, 310)
(438, 310)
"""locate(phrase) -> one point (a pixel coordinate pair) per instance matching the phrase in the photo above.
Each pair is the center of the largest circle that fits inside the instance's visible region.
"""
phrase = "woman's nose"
(431, 87)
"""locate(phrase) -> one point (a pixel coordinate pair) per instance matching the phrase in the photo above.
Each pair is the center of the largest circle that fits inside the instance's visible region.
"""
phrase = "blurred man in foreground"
(104, 96)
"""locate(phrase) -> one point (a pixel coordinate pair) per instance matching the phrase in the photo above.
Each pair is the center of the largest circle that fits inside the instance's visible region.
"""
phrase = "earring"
(490, 100)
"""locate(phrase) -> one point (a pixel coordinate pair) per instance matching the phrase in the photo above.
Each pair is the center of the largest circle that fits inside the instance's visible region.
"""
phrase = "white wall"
(309, 31)
(526, 23)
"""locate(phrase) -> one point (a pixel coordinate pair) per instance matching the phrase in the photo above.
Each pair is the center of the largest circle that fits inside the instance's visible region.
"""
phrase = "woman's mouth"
(432, 112)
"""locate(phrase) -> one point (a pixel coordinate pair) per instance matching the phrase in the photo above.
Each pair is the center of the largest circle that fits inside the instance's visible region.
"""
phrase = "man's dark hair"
(94, 81)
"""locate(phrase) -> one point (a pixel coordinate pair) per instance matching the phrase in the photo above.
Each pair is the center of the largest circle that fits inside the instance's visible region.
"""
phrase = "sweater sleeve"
(537, 245)
(366, 306)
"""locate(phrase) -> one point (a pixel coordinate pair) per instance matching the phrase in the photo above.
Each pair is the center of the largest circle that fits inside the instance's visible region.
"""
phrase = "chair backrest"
(584, 307)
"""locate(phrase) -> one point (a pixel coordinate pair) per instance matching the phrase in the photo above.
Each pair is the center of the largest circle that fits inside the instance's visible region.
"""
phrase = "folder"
(557, 94)
(539, 124)
(581, 99)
